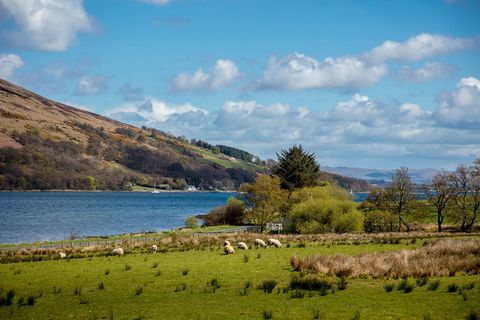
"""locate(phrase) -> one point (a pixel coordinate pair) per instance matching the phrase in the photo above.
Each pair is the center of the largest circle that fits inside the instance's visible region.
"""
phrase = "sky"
(372, 84)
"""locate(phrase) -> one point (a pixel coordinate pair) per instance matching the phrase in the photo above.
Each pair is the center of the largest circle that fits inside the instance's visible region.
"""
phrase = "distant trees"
(226, 150)
(297, 168)
(467, 199)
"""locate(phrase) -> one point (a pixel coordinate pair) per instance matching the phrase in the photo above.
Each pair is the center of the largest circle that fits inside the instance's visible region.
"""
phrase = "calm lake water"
(39, 216)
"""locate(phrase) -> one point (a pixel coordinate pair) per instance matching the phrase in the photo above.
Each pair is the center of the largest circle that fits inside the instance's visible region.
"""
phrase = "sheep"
(117, 251)
(226, 243)
(154, 248)
(274, 242)
(228, 249)
(63, 255)
(260, 242)
(242, 245)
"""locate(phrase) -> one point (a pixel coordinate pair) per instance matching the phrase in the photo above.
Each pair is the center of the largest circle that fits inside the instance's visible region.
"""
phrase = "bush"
(268, 285)
(191, 222)
(319, 216)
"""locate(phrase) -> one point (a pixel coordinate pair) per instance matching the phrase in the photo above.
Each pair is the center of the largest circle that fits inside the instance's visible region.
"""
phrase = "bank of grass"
(166, 293)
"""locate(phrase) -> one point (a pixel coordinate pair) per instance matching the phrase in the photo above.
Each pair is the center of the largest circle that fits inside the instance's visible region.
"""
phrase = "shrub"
(268, 285)
(191, 222)
(434, 285)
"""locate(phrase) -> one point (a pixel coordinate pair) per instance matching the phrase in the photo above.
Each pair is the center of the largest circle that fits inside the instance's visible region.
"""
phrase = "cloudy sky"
(376, 84)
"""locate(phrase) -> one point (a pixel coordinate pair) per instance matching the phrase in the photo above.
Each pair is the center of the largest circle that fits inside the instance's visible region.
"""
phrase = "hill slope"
(49, 145)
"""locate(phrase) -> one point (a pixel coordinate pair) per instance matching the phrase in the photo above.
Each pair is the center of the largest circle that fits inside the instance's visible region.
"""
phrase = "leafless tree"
(467, 199)
(440, 193)
(400, 197)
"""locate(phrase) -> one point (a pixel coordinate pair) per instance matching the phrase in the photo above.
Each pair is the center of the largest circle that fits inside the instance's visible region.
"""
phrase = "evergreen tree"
(297, 168)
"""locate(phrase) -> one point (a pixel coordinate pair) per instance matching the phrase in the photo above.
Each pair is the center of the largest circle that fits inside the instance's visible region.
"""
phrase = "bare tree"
(467, 199)
(399, 196)
(440, 193)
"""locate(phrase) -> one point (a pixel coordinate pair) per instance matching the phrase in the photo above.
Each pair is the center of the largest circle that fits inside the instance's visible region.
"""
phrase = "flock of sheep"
(228, 248)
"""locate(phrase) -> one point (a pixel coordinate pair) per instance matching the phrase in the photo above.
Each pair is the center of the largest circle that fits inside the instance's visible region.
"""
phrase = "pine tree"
(297, 168)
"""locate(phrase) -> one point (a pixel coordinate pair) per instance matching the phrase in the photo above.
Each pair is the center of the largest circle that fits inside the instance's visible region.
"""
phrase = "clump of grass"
(158, 273)
(310, 283)
(259, 255)
(356, 315)
(267, 314)
(30, 300)
(213, 285)
(389, 287)
(101, 286)
(181, 287)
(7, 299)
(434, 285)
(107, 272)
(468, 286)
(15, 272)
(427, 316)
(245, 290)
(77, 291)
(185, 271)
(316, 314)
(83, 300)
(245, 258)
(268, 285)
(342, 284)
(138, 290)
(452, 287)
(421, 281)
(56, 290)
(154, 265)
(128, 267)
(463, 294)
(472, 315)
(297, 294)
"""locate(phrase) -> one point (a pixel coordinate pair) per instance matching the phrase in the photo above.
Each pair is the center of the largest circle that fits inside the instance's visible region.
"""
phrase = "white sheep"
(63, 255)
(274, 242)
(260, 242)
(154, 248)
(228, 249)
(242, 245)
(226, 243)
(118, 251)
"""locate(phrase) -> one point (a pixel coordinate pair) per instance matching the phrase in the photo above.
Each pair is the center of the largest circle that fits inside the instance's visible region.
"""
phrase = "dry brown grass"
(441, 258)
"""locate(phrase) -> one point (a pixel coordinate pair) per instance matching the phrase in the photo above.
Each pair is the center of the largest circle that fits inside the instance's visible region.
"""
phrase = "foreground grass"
(179, 285)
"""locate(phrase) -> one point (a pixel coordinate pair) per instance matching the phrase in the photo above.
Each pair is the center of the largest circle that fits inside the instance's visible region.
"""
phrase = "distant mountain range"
(380, 177)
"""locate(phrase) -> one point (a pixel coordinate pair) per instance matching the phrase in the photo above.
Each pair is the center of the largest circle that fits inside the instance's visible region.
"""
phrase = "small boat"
(154, 188)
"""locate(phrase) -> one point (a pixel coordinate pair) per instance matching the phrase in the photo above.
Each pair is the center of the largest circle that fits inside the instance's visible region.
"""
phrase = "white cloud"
(461, 108)
(158, 2)
(91, 85)
(8, 64)
(419, 47)
(427, 72)
(49, 25)
(300, 72)
(223, 73)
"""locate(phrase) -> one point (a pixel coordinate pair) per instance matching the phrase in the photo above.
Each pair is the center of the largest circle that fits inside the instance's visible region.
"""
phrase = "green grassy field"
(177, 285)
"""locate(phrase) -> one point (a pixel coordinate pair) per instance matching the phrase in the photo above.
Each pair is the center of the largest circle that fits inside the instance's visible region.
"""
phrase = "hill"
(48, 145)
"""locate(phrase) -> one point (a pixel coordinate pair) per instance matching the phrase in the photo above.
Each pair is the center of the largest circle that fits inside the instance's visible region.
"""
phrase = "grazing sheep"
(274, 242)
(63, 255)
(260, 242)
(242, 245)
(226, 243)
(154, 248)
(228, 249)
(118, 251)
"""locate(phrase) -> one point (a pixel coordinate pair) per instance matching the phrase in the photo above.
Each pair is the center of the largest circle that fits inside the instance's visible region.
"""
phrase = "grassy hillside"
(49, 145)
(200, 282)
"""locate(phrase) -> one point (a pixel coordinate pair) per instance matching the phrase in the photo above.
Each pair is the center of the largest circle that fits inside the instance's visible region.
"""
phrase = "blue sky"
(377, 84)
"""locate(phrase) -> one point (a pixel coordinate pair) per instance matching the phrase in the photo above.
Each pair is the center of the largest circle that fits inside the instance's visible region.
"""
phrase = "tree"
(265, 198)
(467, 199)
(399, 196)
(440, 193)
(297, 168)
(191, 222)
(377, 217)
